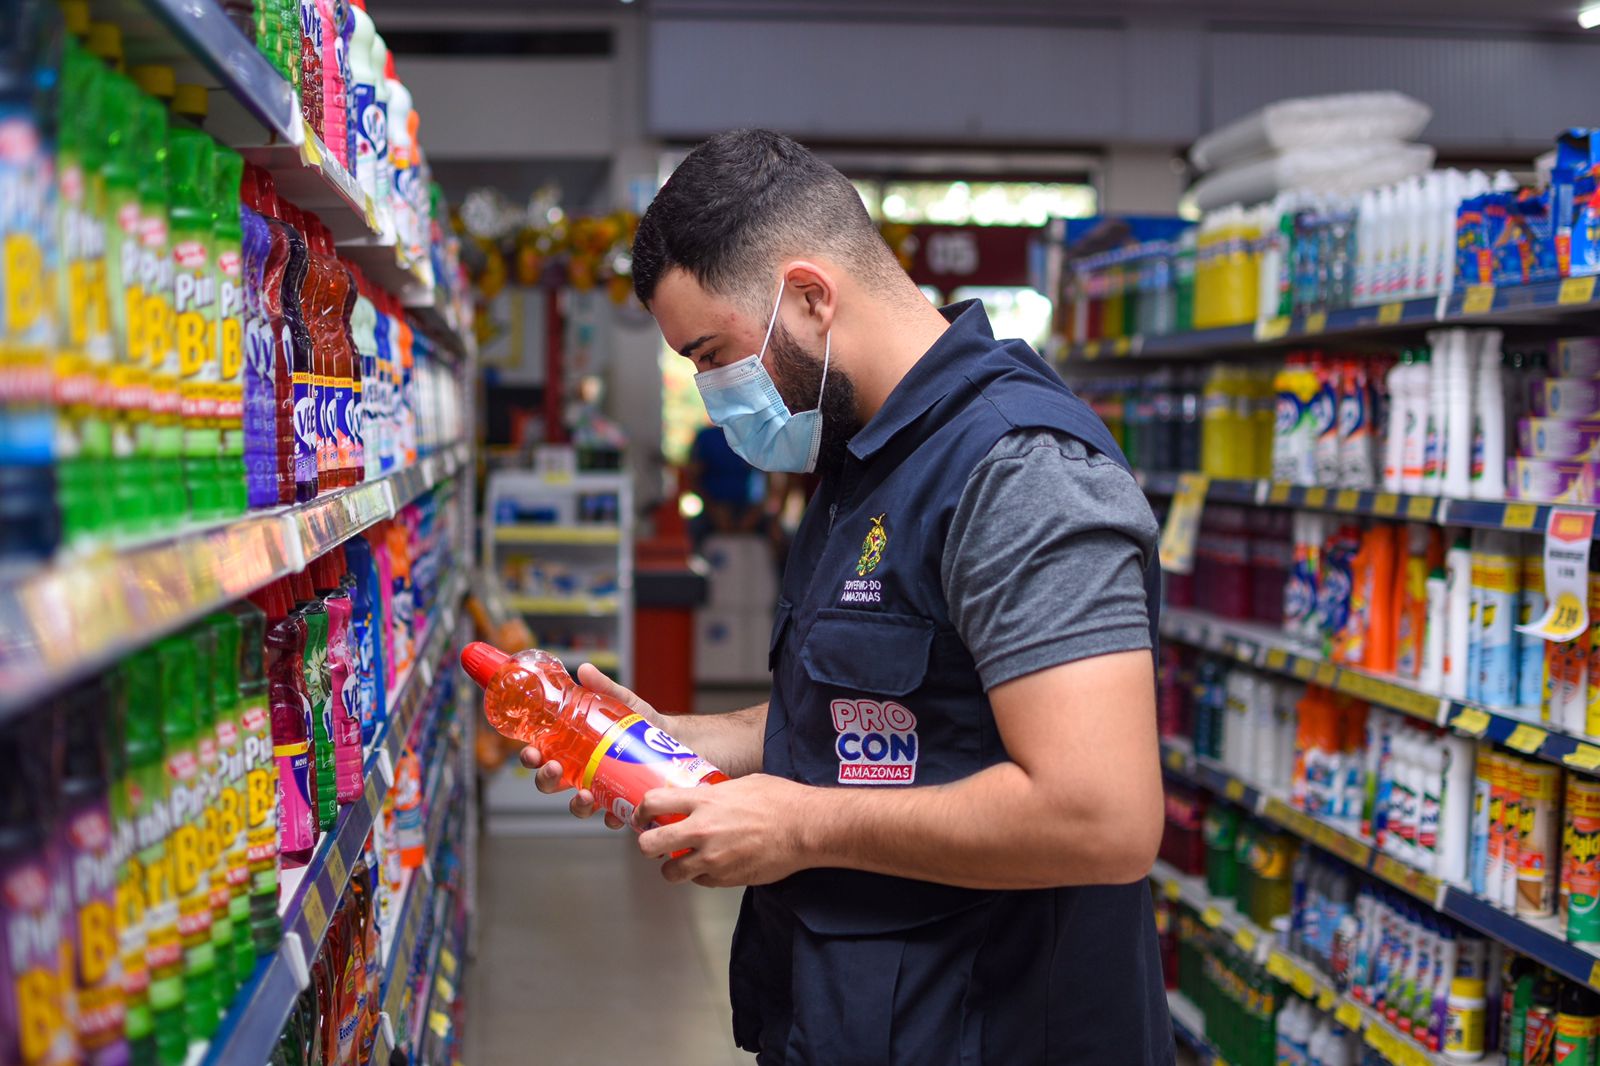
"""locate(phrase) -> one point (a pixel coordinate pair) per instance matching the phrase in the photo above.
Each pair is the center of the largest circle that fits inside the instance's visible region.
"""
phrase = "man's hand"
(743, 832)
(547, 776)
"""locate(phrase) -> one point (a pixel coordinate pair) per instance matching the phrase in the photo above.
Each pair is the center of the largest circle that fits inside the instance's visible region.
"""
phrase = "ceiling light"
(1589, 17)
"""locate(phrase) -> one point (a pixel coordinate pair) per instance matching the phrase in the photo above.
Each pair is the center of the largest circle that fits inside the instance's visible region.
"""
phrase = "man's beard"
(798, 375)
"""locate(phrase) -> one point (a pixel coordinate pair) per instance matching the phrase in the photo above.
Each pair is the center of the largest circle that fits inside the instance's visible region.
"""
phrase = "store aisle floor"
(585, 955)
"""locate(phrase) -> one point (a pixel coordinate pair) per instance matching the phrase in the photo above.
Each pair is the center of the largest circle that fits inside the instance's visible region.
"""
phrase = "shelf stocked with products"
(63, 621)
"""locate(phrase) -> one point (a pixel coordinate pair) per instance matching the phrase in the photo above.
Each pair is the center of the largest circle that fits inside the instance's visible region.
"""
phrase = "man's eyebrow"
(687, 351)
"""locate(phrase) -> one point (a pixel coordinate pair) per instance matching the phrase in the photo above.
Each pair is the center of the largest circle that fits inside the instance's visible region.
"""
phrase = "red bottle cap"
(388, 68)
(482, 661)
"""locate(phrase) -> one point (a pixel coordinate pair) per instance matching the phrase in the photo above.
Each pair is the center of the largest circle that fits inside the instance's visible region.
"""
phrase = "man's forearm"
(996, 830)
(731, 742)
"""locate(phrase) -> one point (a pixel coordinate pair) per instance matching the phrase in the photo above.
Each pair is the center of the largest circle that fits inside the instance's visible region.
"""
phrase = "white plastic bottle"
(1458, 582)
(1455, 813)
(1459, 422)
(1394, 423)
(363, 98)
(1435, 641)
(1418, 422)
(1435, 453)
(1411, 229)
(1489, 419)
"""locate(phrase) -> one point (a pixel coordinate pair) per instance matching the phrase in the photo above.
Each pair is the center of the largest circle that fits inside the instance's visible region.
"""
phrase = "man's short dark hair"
(742, 201)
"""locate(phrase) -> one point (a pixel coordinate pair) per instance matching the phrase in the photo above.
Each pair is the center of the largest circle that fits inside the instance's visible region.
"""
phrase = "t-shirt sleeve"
(1046, 555)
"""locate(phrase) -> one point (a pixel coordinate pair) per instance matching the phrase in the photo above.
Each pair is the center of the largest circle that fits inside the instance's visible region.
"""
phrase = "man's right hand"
(547, 775)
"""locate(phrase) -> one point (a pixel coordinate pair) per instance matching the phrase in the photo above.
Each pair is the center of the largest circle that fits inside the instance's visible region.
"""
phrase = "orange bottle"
(601, 745)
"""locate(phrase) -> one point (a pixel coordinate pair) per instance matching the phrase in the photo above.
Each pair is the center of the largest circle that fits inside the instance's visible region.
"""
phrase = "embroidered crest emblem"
(872, 547)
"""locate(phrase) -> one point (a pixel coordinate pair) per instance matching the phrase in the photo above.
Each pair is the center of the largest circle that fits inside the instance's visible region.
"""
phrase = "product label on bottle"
(635, 757)
(305, 427)
(191, 872)
(1582, 860)
(260, 798)
(194, 302)
(163, 949)
(35, 910)
(232, 815)
(156, 274)
(343, 391)
(371, 137)
(1577, 1037)
(94, 868)
(1463, 1032)
(230, 339)
(297, 822)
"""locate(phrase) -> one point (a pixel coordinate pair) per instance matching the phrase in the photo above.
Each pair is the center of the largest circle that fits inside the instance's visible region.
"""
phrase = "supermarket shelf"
(591, 606)
(1297, 973)
(258, 1014)
(1189, 1026)
(435, 324)
(609, 536)
(60, 623)
(1272, 650)
(1512, 515)
(1542, 302)
(1539, 939)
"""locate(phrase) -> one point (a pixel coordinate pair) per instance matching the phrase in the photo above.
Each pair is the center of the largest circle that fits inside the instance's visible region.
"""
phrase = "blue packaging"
(1577, 155)
(1474, 256)
(364, 599)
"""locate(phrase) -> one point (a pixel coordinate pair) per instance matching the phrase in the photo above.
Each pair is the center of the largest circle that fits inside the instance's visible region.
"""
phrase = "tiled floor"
(584, 955)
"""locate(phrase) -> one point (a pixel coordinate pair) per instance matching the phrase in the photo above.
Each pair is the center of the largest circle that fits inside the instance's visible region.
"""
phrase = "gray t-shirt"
(1046, 557)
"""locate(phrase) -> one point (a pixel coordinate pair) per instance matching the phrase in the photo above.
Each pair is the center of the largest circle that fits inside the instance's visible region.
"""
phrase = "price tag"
(1520, 515)
(442, 988)
(1389, 314)
(1386, 505)
(1277, 659)
(1421, 508)
(1327, 674)
(1594, 975)
(1478, 300)
(1091, 350)
(1278, 966)
(1303, 668)
(1273, 329)
(1567, 536)
(1211, 917)
(1326, 998)
(1584, 757)
(1576, 290)
(1279, 493)
(1471, 721)
(1234, 789)
(1347, 500)
(1183, 523)
(439, 1022)
(1348, 1014)
(1526, 739)
(1173, 759)
(316, 914)
(1317, 496)
(1245, 940)
(1316, 322)
(338, 874)
(1303, 983)
(310, 146)
(1123, 347)
(1171, 890)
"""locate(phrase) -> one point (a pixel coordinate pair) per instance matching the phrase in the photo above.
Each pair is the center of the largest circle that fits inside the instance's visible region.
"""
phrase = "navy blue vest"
(873, 687)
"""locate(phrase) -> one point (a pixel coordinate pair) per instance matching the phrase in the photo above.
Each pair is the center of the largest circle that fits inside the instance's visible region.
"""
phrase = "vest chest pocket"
(868, 652)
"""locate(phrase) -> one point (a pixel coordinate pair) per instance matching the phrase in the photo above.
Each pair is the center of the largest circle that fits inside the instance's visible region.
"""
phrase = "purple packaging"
(1552, 438)
(1575, 357)
(260, 388)
(1571, 399)
(1550, 481)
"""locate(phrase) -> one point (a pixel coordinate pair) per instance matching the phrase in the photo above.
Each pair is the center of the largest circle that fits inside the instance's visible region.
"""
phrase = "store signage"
(949, 257)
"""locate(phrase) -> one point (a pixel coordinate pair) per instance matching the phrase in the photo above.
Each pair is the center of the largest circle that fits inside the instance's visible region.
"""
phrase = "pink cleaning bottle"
(335, 126)
(344, 706)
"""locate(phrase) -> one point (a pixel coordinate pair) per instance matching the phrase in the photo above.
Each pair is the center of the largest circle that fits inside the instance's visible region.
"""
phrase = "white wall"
(495, 108)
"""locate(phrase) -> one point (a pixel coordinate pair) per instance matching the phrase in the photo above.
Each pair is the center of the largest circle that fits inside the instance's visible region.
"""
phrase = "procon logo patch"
(877, 742)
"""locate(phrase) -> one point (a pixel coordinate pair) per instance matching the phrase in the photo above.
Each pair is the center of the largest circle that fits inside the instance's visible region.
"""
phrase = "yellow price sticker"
(1123, 347)
(1211, 917)
(316, 914)
(1317, 496)
(1245, 940)
(1303, 983)
(337, 872)
(1520, 515)
(1303, 668)
(1567, 620)
(1272, 329)
(1386, 505)
(1576, 290)
(1172, 890)
(1278, 966)
(1347, 500)
(443, 989)
(1182, 528)
(1280, 491)
(1091, 350)
(311, 147)
(1584, 757)
(1277, 659)
(1174, 759)
(447, 961)
(1526, 739)
(1594, 975)
(1471, 721)
(1421, 508)
(1327, 674)
(1389, 314)
(1478, 299)
(1326, 998)
(439, 1022)
(1316, 322)
(1349, 1016)
(1234, 789)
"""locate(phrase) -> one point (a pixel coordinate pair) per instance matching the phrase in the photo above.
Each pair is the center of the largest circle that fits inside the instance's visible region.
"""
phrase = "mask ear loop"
(772, 322)
(827, 353)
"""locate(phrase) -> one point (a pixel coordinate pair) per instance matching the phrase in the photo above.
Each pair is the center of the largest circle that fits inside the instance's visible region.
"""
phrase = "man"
(947, 807)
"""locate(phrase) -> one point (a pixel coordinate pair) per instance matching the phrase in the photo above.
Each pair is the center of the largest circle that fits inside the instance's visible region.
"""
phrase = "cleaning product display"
(200, 326)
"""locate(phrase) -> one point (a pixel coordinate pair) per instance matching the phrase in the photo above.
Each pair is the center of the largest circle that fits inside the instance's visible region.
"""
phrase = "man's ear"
(818, 291)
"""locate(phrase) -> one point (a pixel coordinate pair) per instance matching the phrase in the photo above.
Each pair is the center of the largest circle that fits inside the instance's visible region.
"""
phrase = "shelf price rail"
(1223, 916)
(1538, 939)
(62, 622)
(250, 1029)
(1274, 651)
(1513, 516)
(1542, 303)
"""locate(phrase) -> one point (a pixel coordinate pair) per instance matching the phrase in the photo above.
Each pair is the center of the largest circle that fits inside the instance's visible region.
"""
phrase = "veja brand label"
(876, 743)
(635, 757)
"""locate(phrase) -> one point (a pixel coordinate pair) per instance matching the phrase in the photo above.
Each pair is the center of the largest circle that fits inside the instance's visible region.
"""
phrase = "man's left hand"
(741, 832)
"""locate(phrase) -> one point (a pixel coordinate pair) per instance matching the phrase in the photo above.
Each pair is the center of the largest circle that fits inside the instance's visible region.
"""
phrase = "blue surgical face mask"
(742, 399)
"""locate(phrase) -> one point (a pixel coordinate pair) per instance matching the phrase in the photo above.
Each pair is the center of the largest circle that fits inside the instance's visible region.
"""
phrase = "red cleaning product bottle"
(601, 745)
